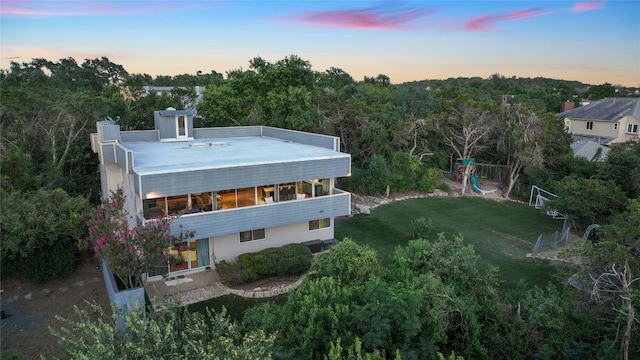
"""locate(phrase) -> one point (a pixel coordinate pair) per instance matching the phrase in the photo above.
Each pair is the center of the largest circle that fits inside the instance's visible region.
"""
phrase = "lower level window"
(632, 128)
(319, 224)
(252, 235)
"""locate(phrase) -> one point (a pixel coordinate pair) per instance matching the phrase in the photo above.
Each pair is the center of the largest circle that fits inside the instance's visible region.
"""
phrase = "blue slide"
(476, 186)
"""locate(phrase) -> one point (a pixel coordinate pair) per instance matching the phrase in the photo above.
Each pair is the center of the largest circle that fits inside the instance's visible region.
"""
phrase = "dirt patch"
(30, 309)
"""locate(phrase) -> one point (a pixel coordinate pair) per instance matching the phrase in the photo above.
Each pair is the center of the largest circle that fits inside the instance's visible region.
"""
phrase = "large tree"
(521, 141)
(174, 333)
(466, 126)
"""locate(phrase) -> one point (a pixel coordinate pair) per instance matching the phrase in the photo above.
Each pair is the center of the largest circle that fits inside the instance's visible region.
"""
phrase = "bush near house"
(291, 259)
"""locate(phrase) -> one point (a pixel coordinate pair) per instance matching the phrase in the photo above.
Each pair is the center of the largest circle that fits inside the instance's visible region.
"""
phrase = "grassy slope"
(502, 233)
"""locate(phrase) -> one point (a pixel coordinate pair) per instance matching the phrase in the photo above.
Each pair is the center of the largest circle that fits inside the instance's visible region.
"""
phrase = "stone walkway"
(197, 287)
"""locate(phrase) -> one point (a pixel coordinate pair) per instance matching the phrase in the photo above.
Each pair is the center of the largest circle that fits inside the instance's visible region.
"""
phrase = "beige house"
(605, 122)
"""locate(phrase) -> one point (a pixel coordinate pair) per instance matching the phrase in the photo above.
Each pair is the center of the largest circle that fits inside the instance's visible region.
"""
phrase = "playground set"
(469, 166)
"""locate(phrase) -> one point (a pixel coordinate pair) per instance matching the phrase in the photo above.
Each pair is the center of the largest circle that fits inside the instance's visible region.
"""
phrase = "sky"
(594, 42)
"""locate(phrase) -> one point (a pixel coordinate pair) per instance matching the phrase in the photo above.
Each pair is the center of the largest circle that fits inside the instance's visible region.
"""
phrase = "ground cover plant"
(502, 233)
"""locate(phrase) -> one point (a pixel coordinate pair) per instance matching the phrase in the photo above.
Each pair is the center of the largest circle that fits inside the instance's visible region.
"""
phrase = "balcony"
(221, 222)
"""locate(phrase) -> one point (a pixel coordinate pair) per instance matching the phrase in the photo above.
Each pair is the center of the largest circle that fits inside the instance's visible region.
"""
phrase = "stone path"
(216, 289)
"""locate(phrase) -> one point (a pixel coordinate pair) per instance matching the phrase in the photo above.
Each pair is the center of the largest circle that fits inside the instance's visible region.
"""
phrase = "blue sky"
(590, 41)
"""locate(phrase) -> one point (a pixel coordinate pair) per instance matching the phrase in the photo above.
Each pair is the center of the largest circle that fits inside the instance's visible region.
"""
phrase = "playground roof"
(609, 109)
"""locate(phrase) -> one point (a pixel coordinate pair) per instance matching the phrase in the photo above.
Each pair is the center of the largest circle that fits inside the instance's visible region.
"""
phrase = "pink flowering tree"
(129, 252)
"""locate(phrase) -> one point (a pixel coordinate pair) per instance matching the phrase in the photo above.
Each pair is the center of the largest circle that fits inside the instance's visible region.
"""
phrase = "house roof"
(586, 148)
(608, 109)
(179, 156)
(600, 140)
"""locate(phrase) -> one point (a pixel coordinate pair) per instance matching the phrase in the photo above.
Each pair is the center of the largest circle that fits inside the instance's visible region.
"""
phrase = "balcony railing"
(221, 222)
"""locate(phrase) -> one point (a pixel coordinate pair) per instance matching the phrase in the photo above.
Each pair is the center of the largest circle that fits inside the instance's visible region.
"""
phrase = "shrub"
(39, 233)
(291, 259)
(428, 181)
(422, 228)
(444, 187)
(231, 273)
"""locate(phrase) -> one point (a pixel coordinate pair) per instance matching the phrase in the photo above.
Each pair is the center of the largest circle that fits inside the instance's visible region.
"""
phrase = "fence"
(552, 241)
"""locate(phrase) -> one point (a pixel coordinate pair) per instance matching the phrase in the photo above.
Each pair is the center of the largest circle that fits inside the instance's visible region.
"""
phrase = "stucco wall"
(228, 247)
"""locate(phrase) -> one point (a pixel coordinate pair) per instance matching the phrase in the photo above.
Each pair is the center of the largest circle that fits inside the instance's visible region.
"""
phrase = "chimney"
(566, 105)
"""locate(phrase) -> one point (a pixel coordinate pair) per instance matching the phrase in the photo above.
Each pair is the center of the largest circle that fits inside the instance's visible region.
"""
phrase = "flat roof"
(181, 156)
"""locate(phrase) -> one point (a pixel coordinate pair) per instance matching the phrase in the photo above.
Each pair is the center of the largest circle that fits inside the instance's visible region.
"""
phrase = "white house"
(241, 189)
(605, 122)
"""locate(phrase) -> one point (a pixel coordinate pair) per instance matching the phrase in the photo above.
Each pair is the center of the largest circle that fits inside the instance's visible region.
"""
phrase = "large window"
(177, 205)
(319, 224)
(252, 235)
(201, 202)
(632, 128)
(287, 192)
(228, 199)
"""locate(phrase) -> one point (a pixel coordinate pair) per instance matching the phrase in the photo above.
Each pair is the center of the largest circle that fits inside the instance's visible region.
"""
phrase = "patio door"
(192, 254)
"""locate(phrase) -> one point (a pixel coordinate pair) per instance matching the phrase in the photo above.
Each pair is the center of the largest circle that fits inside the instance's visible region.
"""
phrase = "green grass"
(502, 233)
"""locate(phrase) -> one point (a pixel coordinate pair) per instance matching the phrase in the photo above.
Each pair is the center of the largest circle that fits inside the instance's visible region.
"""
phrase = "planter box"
(125, 300)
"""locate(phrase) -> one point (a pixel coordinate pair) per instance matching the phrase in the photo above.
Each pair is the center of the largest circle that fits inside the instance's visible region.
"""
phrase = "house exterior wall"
(228, 247)
(240, 177)
(222, 222)
(605, 129)
(624, 136)
(600, 128)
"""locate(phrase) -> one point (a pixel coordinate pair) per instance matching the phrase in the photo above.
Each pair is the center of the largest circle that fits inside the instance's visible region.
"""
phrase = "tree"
(576, 199)
(172, 334)
(128, 252)
(610, 265)
(465, 126)
(619, 286)
(598, 92)
(521, 142)
(348, 262)
(39, 232)
(623, 166)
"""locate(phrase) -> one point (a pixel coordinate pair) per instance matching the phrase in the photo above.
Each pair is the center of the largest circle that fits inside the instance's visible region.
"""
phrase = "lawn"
(502, 233)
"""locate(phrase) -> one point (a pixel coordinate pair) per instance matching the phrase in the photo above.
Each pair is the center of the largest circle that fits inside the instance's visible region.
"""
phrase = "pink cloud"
(587, 6)
(380, 17)
(483, 22)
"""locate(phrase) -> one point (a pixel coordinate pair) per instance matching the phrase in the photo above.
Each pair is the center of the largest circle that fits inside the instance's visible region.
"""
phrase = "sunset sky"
(591, 41)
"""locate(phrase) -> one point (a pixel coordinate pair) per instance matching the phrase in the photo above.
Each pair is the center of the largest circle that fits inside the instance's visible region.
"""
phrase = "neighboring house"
(605, 122)
(588, 149)
(241, 189)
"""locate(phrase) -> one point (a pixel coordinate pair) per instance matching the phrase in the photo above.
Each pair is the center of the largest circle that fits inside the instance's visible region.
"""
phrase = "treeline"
(400, 137)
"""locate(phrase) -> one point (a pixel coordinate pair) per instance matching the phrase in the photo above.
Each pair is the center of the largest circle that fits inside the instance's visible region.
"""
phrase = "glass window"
(227, 199)
(319, 224)
(632, 128)
(266, 194)
(252, 235)
(287, 192)
(153, 208)
(177, 205)
(589, 125)
(201, 202)
(615, 126)
(246, 197)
